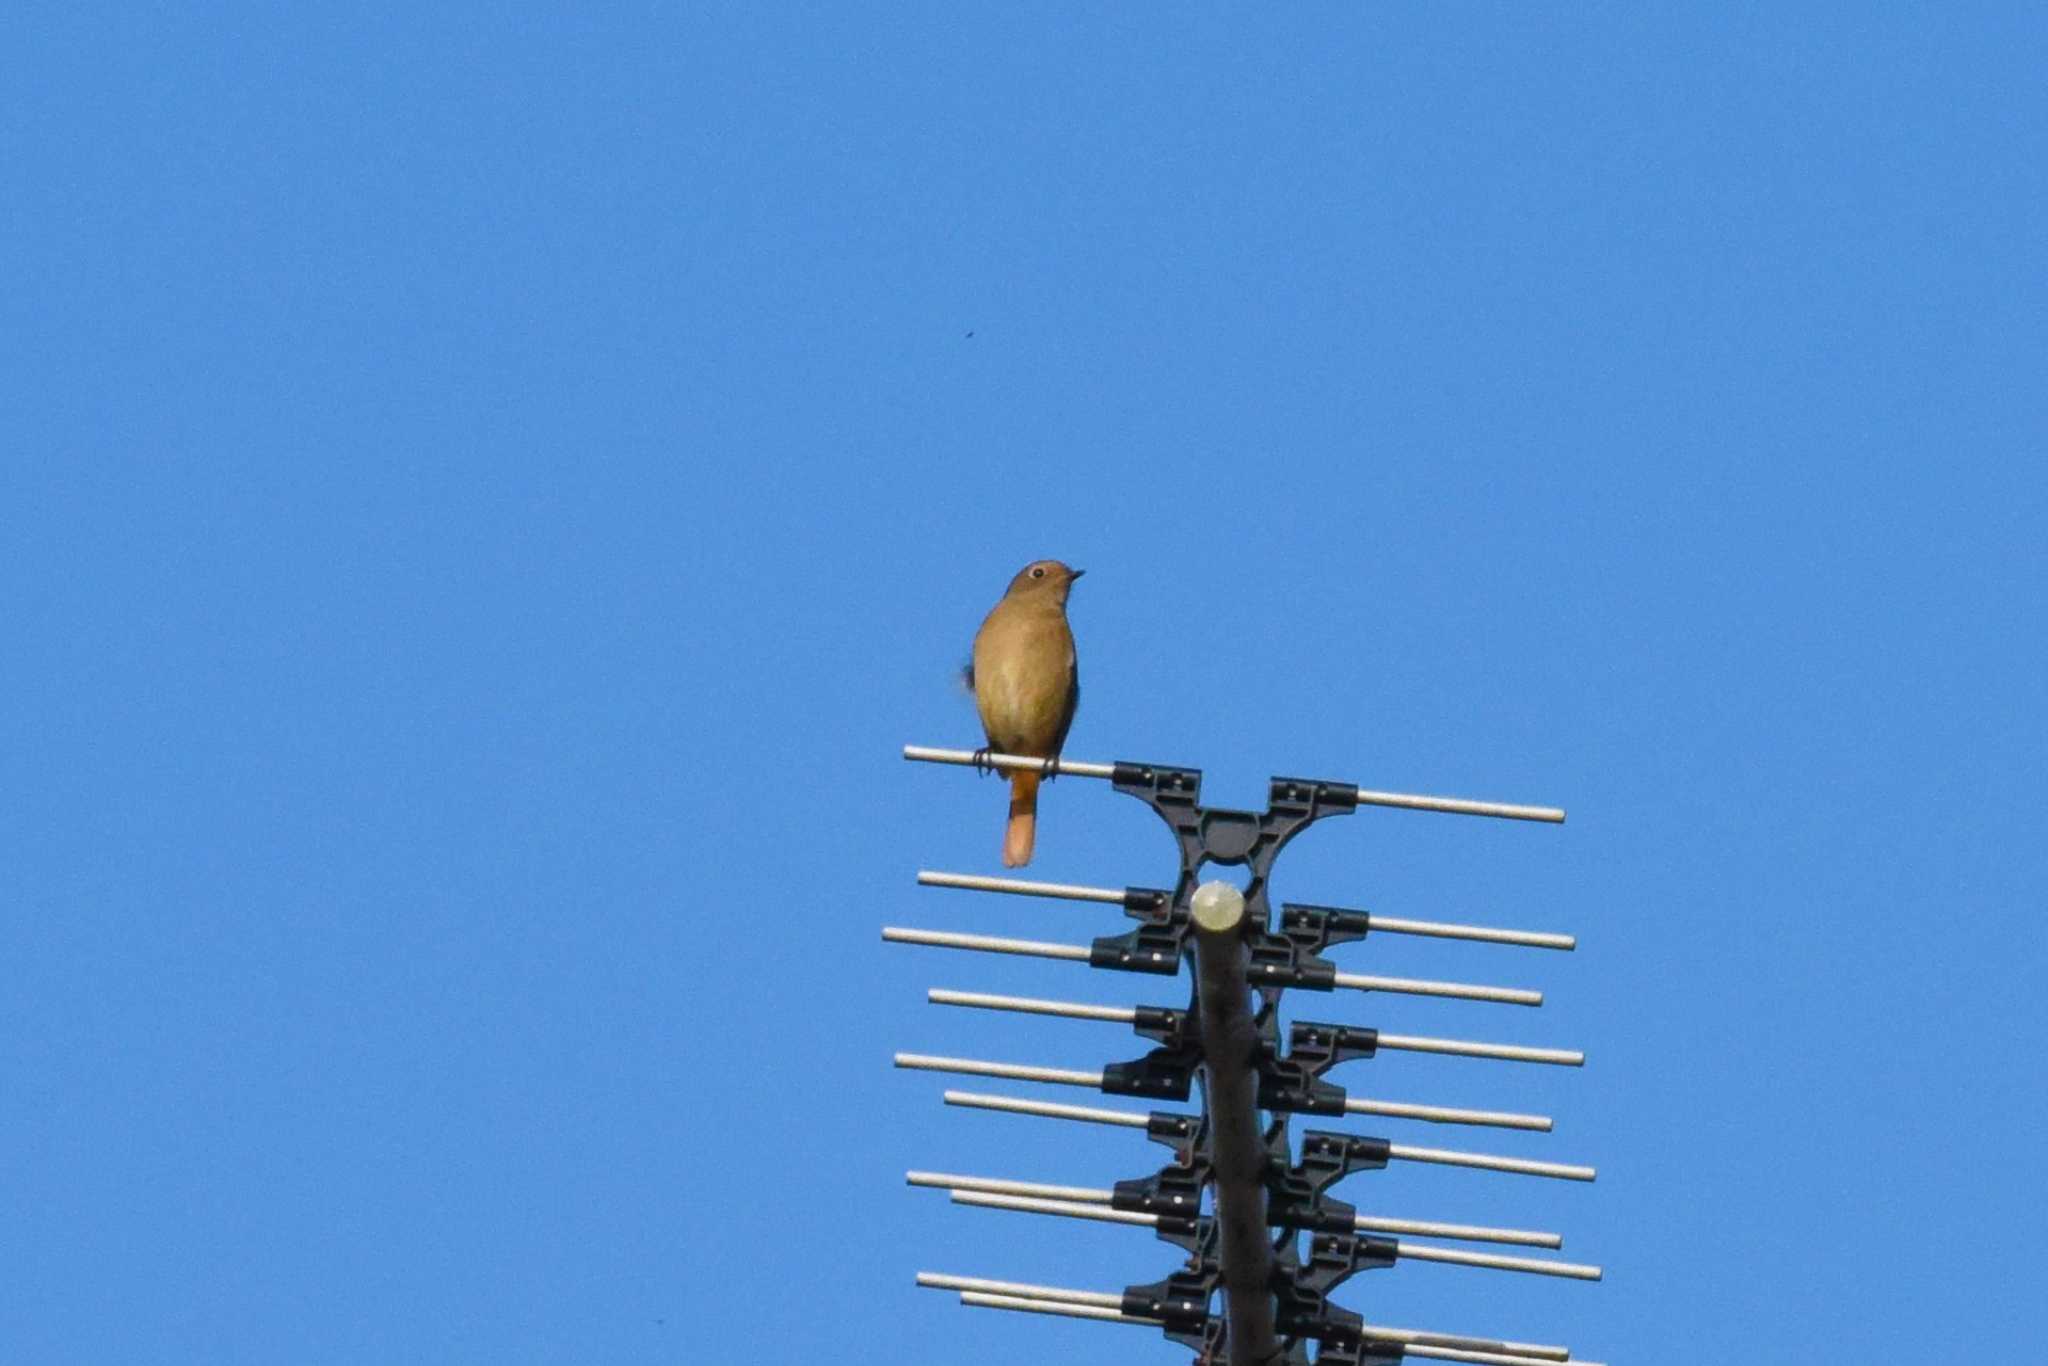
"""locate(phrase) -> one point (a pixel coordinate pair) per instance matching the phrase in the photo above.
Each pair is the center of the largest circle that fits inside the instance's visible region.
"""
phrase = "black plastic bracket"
(1292, 1082)
(1295, 1196)
(1248, 838)
(1334, 1258)
(1291, 955)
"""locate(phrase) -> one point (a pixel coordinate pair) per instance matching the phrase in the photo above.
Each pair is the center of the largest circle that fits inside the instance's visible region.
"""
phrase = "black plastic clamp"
(1293, 1082)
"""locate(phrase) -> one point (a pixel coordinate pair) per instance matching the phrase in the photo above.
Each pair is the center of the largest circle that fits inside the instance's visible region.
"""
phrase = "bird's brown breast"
(1024, 676)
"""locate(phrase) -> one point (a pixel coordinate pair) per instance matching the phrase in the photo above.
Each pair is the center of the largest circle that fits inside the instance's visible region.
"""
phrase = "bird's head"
(1044, 578)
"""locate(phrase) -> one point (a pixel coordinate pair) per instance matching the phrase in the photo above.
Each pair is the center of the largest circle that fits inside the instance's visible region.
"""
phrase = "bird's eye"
(1038, 573)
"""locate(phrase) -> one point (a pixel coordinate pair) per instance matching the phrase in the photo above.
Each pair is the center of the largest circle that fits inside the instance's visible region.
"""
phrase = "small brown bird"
(1026, 686)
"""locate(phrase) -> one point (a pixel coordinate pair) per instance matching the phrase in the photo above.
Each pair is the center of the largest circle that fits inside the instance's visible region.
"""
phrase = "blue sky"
(487, 491)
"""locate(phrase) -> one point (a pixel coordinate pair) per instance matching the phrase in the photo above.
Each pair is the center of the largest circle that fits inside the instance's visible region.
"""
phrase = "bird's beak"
(1075, 574)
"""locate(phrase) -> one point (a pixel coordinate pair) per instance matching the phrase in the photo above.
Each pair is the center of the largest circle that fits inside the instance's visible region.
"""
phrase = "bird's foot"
(981, 763)
(1050, 769)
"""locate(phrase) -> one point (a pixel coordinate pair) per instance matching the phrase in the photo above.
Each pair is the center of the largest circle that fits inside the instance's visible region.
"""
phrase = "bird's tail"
(1023, 827)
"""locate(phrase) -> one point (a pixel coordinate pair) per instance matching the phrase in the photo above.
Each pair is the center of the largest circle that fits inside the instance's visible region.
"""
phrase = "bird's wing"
(1073, 705)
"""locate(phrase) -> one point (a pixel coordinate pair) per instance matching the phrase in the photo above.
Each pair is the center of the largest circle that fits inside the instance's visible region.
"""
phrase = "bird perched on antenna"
(1026, 687)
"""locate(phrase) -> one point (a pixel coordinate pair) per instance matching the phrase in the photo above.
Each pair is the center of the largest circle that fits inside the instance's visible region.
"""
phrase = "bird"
(1026, 687)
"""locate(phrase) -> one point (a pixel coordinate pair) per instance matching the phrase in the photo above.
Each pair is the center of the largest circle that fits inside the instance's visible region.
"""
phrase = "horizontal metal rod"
(1457, 1256)
(1414, 986)
(1072, 1209)
(1422, 1349)
(1017, 886)
(1471, 1233)
(1465, 1341)
(1127, 1119)
(1103, 1307)
(1065, 1309)
(1460, 806)
(939, 1280)
(1114, 896)
(1090, 1114)
(1102, 1195)
(1461, 1048)
(1522, 1166)
(969, 757)
(1420, 1346)
(996, 1185)
(975, 1067)
(1439, 929)
(1410, 1043)
(1027, 1005)
(1444, 1114)
(946, 939)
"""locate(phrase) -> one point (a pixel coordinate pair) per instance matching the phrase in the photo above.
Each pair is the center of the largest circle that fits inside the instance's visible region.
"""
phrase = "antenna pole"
(1229, 1052)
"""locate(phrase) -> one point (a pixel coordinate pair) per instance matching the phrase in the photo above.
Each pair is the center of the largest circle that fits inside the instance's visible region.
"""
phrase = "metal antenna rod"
(938, 1280)
(1017, 886)
(1030, 1005)
(1410, 1043)
(972, 758)
(1420, 1252)
(1469, 1342)
(1230, 1044)
(1521, 1166)
(1423, 1252)
(1411, 986)
(1092, 1114)
(996, 1185)
(1462, 1048)
(1426, 1349)
(1443, 1114)
(1068, 1076)
(985, 943)
(1458, 806)
(1113, 896)
(1033, 948)
(1469, 1233)
(1072, 1209)
(1100, 1195)
(1400, 1152)
(1066, 1308)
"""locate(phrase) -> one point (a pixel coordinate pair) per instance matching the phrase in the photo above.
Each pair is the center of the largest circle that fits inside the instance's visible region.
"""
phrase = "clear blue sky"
(487, 490)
